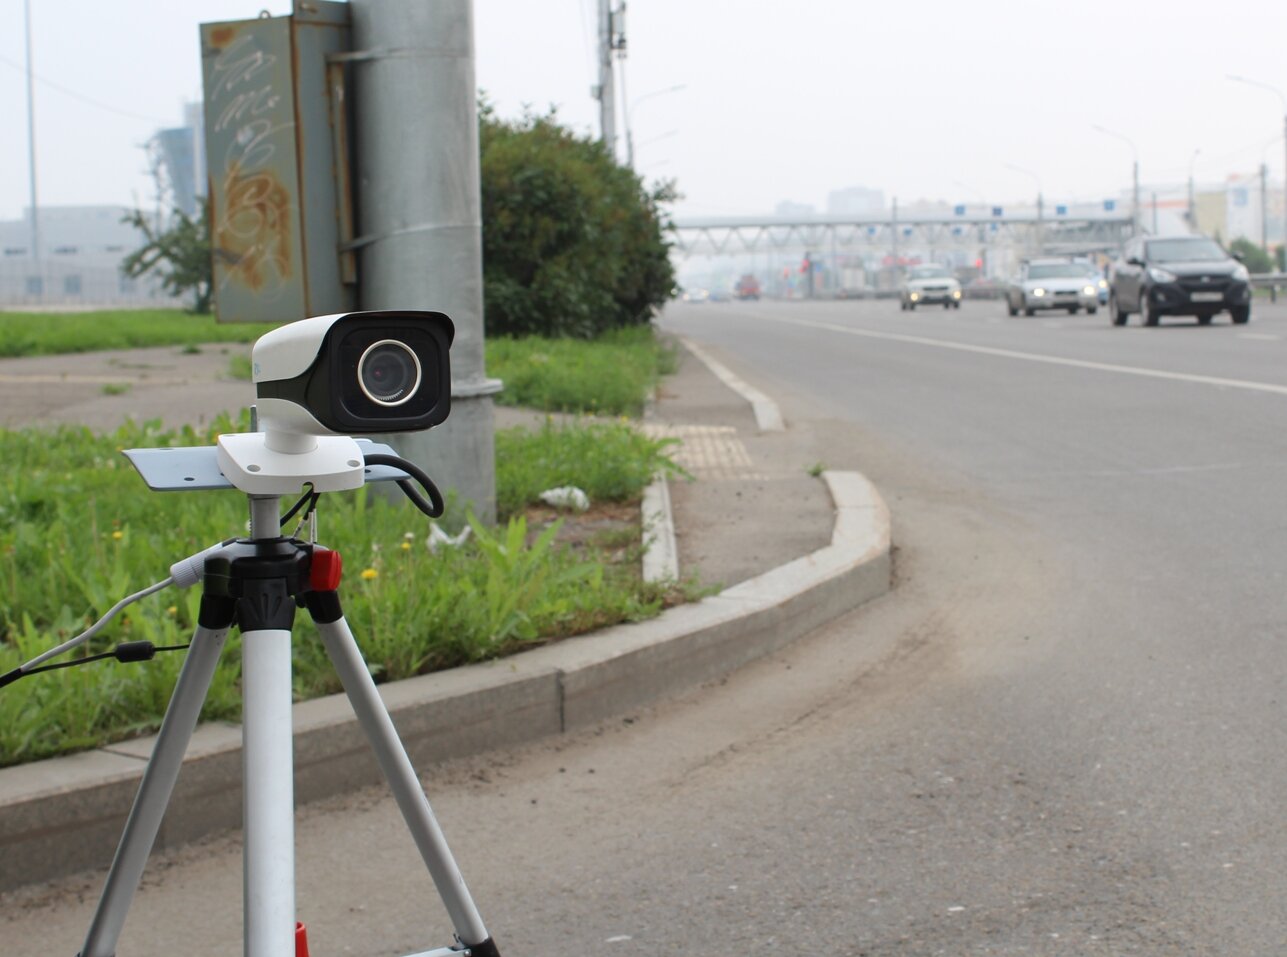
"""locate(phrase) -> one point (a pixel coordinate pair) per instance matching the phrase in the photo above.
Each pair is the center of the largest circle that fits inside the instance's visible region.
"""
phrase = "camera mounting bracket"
(333, 465)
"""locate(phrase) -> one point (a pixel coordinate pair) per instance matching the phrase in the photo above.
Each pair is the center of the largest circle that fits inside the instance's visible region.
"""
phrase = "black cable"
(435, 506)
(126, 651)
(309, 496)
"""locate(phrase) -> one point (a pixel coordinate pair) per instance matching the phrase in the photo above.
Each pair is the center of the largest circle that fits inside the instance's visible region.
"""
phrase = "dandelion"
(369, 574)
(406, 546)
(117, 535)
(172, 611)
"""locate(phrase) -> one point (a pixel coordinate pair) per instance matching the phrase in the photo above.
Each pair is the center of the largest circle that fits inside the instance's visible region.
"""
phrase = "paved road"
(1060, 734)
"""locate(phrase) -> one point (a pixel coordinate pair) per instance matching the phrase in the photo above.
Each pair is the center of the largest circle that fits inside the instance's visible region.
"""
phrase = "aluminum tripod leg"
(155, 789)
(269, 793)
(405, 785)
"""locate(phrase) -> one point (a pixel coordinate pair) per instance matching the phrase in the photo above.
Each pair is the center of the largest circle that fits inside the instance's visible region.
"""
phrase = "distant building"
(178, 162)
(1240, 209)
(79, 261)
(82, 247)
(855, 201)
(788, 210)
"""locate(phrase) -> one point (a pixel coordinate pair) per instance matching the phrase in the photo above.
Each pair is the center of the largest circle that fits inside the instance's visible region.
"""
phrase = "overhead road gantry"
(1070, 230)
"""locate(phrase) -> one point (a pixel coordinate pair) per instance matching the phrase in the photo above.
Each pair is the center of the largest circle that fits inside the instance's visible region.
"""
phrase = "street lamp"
(630, 145)
(1283, 100)
(1135, 176)
(1193, 218)
(1040, 204)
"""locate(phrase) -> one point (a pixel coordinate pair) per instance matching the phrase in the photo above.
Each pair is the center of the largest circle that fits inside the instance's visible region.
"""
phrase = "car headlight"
(1088, 291)
(1038, 292)
(914, 296)
(1158, 274)
(1240, 272)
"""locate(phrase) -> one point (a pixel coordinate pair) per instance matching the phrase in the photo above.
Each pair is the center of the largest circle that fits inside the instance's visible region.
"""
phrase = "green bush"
(1253, 257)
(573, 243)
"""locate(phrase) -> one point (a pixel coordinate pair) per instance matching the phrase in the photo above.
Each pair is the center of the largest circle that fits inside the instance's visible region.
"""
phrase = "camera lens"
(389, 372)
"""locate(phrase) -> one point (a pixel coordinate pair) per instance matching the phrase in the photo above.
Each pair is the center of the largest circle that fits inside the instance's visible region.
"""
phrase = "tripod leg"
(268, 772)
(158, 779)
(403, 782)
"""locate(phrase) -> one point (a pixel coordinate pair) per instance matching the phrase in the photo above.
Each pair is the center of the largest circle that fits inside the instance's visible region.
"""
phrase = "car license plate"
(1207, 296)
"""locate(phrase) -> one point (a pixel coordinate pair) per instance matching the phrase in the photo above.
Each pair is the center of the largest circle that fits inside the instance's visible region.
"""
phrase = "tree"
(1253, 257)
(573, 243)
(180, 255)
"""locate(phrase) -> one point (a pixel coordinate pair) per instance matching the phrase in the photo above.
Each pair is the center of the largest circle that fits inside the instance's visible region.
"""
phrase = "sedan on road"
(1178, 276)
(930, 283)
(1051, 284)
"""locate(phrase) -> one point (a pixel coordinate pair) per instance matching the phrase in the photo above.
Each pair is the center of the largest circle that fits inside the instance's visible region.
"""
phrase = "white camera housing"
(320, 380)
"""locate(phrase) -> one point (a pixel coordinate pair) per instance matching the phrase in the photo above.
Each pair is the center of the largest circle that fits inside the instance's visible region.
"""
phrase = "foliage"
(1253, 257)
(573, 243)
(78, 531)
(611, 375)
(179, 254)
(44, 333)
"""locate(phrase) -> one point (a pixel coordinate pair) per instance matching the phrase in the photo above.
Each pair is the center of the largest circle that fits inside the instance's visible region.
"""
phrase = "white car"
(1052, 284)
(927, 284)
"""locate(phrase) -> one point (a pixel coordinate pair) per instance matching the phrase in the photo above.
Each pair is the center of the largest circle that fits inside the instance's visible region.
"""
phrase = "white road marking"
(1218, 381)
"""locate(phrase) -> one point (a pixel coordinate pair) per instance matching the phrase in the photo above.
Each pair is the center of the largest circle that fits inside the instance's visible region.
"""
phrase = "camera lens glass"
(389, 372)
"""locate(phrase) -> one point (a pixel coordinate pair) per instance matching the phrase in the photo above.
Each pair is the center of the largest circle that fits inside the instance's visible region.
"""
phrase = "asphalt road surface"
(1061, 733)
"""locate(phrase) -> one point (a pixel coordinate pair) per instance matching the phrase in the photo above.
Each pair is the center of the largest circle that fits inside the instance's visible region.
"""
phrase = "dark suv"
(1178, 276)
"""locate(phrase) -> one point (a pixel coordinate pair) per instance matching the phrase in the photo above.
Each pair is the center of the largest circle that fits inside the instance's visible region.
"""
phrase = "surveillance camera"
(353, 373)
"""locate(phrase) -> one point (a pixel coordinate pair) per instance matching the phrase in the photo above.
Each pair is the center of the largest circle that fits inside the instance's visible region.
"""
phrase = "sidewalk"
(795, 550)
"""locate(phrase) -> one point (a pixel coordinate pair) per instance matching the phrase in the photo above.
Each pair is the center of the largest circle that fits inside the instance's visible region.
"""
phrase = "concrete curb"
(65, 814)
(768, 417)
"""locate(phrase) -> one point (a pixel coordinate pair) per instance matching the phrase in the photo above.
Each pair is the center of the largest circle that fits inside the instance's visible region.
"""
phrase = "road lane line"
(1036, 357)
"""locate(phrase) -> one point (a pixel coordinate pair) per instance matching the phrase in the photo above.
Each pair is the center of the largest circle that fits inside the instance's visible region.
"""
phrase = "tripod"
(255, 583)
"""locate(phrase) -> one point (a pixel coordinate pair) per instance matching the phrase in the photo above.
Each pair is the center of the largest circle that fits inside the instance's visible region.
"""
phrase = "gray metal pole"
(1264, 207)
(1041, 208)
(31, 142)
(607, 94)
(1135, 193)
(418, 193)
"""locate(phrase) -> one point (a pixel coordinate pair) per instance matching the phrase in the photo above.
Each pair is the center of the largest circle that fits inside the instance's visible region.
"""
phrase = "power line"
(80, 96)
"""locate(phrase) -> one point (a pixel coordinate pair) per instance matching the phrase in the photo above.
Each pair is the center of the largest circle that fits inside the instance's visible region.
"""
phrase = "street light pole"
(630, 144)
(1135, 175)
(1283, 100)
(1040, 203)
(1193, 214)
(31, 145)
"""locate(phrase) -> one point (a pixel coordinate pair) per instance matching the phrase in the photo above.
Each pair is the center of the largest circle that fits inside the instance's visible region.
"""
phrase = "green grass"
(609, 462)
(608, 376)
(79, 530)
(41, 334)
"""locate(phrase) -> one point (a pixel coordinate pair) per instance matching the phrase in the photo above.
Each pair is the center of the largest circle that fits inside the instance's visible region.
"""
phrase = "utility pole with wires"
(612, 39)
(31, 140)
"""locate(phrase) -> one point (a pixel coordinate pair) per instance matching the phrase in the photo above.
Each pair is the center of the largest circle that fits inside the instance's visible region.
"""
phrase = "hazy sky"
(961, 101)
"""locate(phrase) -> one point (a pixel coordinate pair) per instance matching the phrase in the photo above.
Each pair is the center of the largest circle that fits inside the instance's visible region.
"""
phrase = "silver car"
(927, 284)
(1052, 284)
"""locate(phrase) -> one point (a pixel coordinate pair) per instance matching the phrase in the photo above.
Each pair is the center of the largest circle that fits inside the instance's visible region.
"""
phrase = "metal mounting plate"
(197, 468)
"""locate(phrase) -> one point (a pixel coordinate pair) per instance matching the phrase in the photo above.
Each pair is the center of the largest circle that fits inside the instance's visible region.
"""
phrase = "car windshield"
(930, 272)
(1195, 250)
(1056, 271)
